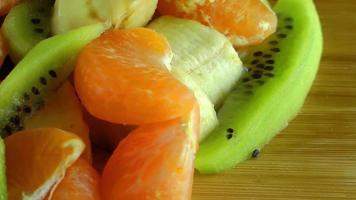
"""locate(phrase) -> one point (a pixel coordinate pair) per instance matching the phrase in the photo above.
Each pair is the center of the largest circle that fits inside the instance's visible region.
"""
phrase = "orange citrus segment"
(63, 110)
(37, 159)
(6, 5)
(154, 162)
(244, 22)
(3, 48)
(81, 182)
(122, 77)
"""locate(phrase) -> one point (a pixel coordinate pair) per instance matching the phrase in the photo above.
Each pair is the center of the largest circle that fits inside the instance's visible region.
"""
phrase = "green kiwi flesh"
(26, 25)
(271, 93)
(3, 184)
(43, 69)
(204, 54)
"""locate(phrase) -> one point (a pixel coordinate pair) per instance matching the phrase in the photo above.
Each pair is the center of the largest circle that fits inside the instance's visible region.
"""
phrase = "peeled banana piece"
(204, 60)
(72, 14)
(204, 54)
(208, 118)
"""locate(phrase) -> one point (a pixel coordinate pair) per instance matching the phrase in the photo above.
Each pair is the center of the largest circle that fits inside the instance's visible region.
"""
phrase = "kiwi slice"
(26, 25)
(3, 184)
(270, 94)
(42, 70)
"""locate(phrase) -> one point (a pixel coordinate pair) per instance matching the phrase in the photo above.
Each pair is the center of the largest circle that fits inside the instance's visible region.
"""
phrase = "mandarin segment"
(63, 110)
(244, 22)
(37, 159)
(123, 77)
(81, 182)
(154, 162)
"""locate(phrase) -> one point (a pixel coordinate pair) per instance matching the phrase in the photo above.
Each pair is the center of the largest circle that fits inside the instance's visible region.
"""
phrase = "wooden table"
(315, 157)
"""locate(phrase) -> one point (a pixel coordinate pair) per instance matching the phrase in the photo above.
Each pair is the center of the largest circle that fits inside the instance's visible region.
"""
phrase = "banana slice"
(204, 54)
(72, 14)
(208, 118)
(204, 60)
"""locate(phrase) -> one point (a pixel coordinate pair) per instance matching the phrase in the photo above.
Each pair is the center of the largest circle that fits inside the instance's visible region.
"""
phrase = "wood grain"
(315, 157)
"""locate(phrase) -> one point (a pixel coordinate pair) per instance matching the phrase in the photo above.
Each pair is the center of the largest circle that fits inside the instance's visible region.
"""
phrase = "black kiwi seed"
(267, 56)
(261, 66)
(290, 27)
(35, 20)
(269, 74)
(27, 109)
(230, 130)
(269, 68)
(256, 75)
(230, 133)
(39, 30)
(245, 80)
(35, 91)
(288, 19)
(271, 62)
(43, 81)
(229, 136)
(276, 50)
(282, 35)
(255, 62)
(52, 73)
(256, 153)
(273, 42)
(258, 53)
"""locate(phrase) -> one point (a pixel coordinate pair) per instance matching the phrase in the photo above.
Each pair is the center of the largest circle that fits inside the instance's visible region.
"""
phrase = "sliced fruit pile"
(104, 102)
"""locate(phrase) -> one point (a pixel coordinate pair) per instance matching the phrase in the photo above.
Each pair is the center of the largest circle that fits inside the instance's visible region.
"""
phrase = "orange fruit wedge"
(3, 48)
(6, 5)
(155, 161)
(123, 77)
(63, 110)
(81, 182)
(244, 22)
(37, 159)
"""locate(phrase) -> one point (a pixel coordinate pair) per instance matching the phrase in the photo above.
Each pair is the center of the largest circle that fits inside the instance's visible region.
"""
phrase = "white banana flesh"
(204, 54)
(72, 14)
(208, 118)
(204, 60)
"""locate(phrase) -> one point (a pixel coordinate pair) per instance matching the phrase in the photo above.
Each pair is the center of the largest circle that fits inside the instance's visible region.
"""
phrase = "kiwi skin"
(27, 24)
(265, 100)
(3, 184)
(43, 69)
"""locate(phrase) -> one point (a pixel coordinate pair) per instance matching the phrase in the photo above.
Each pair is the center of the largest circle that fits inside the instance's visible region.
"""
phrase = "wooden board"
(315, 157)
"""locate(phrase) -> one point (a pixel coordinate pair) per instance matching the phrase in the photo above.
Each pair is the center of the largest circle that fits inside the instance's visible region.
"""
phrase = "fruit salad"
(121, 99)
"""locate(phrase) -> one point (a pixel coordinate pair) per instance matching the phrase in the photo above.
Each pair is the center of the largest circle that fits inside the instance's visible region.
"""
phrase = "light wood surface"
(315, 157)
